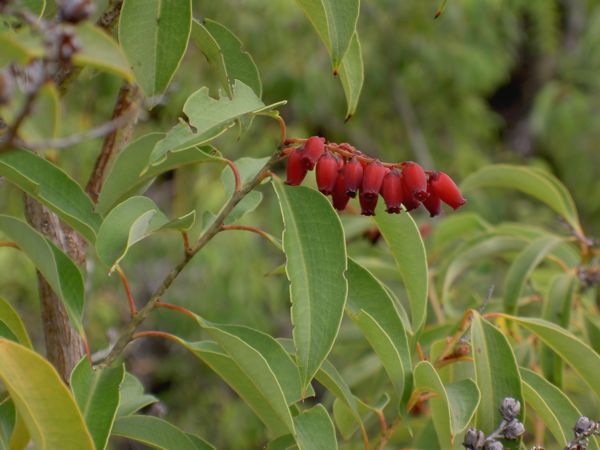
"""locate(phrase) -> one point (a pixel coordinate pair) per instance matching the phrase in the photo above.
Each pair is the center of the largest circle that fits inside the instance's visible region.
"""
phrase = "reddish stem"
(178, 308)
(86, 346)
(130, 300)
(421, 353)
(9, 244)
(282, 128)
(186, 243)
(236, 174)
(160, 334)
(247, 228)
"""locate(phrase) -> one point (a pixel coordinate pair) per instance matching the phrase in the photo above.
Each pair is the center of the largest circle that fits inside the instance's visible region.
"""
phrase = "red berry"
(313, 149)
(296, 170)
(433, 203)
(408, 199)
(368, 203)
(415, 180)
(340, 198)
(446, 189)
(391, 191)
(372, 179)
(327, 172)
(353, 175)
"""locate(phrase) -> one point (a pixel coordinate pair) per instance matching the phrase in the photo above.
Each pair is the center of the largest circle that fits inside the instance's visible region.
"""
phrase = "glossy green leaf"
(132, 397)
(452, 407)
(285, 442)
(154, 35)
(335, 23)
(557, 309)
(535, 183)
(127, 224)
(51, 186)
(580, 356)
(592, 329)
(59, 271)
(522, 266)
(97, 394)
(132, 170)
(375, 313)
(12, 320)
(152, 431)
(346, 421)
(352, 75)
(6, 332)
(100, 51)
(272, 415)
(496, 371)
(224, 51)
(316, 261)
(8, 417)
(551, 405)
(60, 426)
(404, 239)
(315, 430)
(200, 443)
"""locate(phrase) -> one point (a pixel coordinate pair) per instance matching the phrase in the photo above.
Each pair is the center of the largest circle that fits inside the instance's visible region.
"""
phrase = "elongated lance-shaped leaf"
(313, 241)
(132, 397)
(152, 431)
(496, 370)
(97, 394)
(352, 75)
(10, 317)
(224, 51)
(48, 184)
(59, 271)
(521, 268)
(404, 239)
(551, 405)
(315, 430)
(154, 35)
(59, 426)
(535, 183)
(376, 314)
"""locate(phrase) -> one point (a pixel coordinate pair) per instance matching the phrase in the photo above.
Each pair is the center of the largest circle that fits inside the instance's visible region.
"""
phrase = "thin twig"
(177, 308)
(255, 230)
(236, 174)
(130, 299)
(128, 332)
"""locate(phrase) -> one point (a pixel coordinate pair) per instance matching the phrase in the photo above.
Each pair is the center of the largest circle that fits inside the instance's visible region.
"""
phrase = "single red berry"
(353, 175)
(327, 172)
(340, 198)
(368, 203)
(313, 149)
(296, 170)
(372, 179)
(446, 189)
(408, 199)
(391, 191)
(415, 180)
(433, 204)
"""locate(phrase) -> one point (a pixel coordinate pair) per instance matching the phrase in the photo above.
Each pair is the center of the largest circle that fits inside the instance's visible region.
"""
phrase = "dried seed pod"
(327, 172)
(339, 195)
(493, 445)
(353, 175)
(372, 179)
(313, 149)
(446, 189)
(296, 170)
(415, 180)
(368, 203)
(510, 408)
(391, 191)
(514, 429)
(474, 439)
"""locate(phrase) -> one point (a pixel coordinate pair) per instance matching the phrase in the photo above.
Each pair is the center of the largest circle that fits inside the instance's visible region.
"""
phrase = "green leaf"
(496, 371)
(284, 442)
(375, 313)
(12, 320)
(132, 397)
(261, 357)
(152, 431)
(315, 430)
(51, 186)
(100, 51)
(154, 35)
(557, 309)
(224, 51)
(352, 75)
(522, 266)
(97, 394)
(551, 405)
(200, 443)
(7, 333)
(592, 330)
(8, 417)
(581, 357)
(316, 261)
(133, 171)
(346, 420)
(276, 420)
(535, 183)
(335, 23)
(35, 6)
(59, 271)
(59, 426)
(404, 239)
(127, 224)
(453, 406)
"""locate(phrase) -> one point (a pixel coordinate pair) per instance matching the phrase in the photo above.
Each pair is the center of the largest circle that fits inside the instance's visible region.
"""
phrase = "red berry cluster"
(342, 172)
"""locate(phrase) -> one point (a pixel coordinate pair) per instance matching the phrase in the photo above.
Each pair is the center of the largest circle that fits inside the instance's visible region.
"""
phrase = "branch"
(127, 335)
